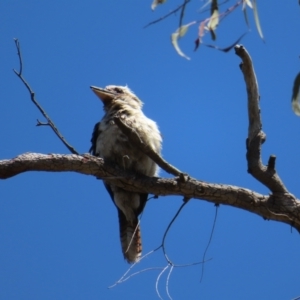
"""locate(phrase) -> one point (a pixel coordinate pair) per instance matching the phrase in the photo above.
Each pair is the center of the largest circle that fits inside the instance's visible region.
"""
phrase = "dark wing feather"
(96, 133)
(107, 186)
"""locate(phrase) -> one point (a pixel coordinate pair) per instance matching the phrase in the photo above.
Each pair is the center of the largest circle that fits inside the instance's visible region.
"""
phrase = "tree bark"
(283, 208)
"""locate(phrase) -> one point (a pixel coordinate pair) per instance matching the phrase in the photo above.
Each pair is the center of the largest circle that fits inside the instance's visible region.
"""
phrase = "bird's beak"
(103, 94)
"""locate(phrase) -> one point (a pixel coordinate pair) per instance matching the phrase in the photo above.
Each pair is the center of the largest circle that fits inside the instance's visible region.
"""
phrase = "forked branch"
(256, 137)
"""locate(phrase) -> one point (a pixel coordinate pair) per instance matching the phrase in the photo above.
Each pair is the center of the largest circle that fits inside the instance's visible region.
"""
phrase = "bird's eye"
(118, 90)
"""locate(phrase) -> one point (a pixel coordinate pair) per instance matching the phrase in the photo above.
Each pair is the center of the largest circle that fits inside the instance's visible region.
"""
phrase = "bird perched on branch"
(110, 143)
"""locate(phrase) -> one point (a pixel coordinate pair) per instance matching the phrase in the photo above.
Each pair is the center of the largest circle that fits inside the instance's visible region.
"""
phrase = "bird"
(113, 146)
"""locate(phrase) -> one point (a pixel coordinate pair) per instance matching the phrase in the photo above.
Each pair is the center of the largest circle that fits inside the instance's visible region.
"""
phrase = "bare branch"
(182, 12)
(167, 230)
(157, 280)
(124, 278)
(282, 207)
(209, 241)
(167, 282)
(256, 137)
(168, 14)
(32, 97)
(133, 274)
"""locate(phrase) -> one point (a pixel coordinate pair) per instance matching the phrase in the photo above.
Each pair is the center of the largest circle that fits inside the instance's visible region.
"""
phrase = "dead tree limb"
(256, 137)
(282, 207)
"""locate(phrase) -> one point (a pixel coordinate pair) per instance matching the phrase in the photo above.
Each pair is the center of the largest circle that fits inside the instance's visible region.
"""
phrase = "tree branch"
(32, 97)
(182, 12)
(182, 6)
(282, 207)
(256, 137)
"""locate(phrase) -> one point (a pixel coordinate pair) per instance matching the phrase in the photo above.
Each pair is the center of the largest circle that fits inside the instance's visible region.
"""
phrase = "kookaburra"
(111, 144)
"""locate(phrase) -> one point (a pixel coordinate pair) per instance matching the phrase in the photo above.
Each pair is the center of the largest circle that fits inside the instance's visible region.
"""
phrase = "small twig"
(182, 12)
(209, 241)
(39, 123)
(137, 141)
(157, 281)
(176, 265)
(203, 29)
(32, 96)
(133, 274)
(208, 9)
(164, 238)
(123, 278)
(271, 162)
(20, 56)
(167, 15)
(167, 283)
(168, 228)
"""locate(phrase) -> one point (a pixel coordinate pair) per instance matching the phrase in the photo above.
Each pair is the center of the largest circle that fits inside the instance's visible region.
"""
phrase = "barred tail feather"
(130, 235)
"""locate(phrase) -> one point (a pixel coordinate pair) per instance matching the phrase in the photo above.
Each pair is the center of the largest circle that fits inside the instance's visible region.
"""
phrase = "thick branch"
(282, 207)
(256, 137)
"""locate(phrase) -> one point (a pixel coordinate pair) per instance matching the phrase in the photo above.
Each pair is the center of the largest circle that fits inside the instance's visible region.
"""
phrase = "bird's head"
(113, 95)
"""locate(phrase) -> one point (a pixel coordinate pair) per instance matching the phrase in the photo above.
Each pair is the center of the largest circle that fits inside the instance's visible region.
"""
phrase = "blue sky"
(59, 232)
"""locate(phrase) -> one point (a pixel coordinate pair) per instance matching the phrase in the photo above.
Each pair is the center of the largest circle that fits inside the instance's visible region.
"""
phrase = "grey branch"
(280, 207)
(256, 137)
(33, 99)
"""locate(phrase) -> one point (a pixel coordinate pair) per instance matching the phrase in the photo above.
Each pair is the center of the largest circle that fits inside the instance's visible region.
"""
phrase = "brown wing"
(95, 135)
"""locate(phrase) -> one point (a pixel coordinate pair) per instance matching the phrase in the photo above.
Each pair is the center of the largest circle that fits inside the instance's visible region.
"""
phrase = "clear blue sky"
(59, 234)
